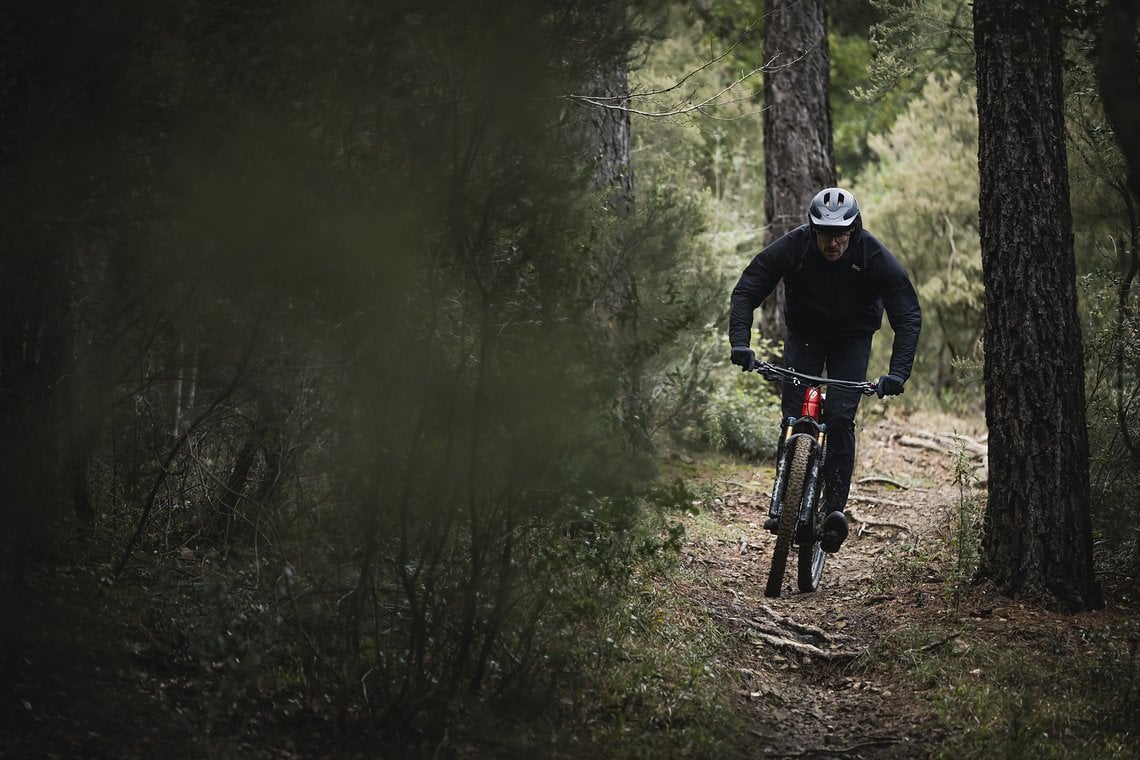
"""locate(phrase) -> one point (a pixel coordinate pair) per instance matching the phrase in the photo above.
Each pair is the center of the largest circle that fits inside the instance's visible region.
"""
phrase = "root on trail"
(868, 522)
(790, 635)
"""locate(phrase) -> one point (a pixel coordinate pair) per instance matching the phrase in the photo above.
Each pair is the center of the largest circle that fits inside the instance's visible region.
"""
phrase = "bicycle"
(799, 458)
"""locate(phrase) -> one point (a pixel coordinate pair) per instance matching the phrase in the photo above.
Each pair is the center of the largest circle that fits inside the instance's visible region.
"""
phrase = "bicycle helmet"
(834, 210)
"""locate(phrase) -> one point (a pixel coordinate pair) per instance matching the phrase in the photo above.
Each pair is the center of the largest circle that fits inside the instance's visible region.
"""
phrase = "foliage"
(996, 695)
(654, 684)
(913, 39)
(742, 416)
(713, 153)
(1112, 354)
(967, 525)
(921, 199)
(1106, 242)
(855, 118)
(376, 327)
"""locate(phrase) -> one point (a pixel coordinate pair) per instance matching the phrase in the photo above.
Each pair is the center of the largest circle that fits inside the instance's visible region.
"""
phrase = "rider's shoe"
(771, 523)
(834, 531)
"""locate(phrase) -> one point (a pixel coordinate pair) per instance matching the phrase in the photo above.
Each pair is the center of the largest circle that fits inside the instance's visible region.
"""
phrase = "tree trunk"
(610, 134)
(616, 296)
(234, 488)
(1038, 538)
(1118, 74)
(798, 155)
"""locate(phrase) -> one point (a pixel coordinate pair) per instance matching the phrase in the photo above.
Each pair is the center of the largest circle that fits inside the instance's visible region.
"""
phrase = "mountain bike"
(795, 513)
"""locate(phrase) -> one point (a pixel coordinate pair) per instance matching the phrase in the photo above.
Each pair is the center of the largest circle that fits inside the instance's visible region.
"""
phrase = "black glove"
(744, 357)
(889, 385)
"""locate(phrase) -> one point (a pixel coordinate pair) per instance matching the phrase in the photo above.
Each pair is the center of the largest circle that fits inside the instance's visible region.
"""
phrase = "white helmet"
(833, 209)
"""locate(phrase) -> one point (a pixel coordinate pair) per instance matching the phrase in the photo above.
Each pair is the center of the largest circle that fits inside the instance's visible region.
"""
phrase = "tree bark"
(616, 295)
(798, 151)
(1038, 538)
(610, 134)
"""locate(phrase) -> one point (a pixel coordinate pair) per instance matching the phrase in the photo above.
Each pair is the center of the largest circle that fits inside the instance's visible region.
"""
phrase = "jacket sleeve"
(759, 279)
(904, 314)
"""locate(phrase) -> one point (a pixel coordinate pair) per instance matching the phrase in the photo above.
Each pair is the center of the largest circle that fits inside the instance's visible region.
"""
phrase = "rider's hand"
(744, 357)
(889, 385)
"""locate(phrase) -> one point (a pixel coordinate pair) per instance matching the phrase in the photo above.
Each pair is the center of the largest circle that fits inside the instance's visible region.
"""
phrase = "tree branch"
(620, 102)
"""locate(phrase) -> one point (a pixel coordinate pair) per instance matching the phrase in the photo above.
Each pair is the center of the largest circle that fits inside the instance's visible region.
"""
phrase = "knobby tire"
(789, 511)
(811, 553)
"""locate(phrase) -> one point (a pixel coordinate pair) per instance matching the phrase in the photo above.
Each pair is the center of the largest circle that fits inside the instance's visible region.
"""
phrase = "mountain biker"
(838, 279)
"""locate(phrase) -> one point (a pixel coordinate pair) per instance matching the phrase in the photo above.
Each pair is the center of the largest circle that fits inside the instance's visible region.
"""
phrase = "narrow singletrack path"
(800, 666)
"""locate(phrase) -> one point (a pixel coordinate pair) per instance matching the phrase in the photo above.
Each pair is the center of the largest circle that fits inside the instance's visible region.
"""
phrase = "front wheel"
(789, 511)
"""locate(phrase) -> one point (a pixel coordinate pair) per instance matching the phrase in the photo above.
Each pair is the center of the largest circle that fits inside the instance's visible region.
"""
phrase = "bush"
(1112, 355)
(742, 415)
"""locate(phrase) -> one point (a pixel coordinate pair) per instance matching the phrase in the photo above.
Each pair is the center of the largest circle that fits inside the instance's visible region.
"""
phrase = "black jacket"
(831, 300)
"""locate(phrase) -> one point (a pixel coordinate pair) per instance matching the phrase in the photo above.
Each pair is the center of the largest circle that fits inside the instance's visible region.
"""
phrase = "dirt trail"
(799, 659)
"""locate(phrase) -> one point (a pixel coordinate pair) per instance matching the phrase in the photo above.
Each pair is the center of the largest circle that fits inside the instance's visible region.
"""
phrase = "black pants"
(842, 359)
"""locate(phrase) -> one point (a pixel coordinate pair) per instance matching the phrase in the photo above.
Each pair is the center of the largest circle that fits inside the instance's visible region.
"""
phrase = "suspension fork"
(780, 484)
(806, 525)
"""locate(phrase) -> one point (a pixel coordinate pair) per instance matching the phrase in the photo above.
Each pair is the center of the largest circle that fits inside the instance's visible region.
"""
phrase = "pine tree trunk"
(798, 152)
(610, 131)
(616, 297)
(1038, 540)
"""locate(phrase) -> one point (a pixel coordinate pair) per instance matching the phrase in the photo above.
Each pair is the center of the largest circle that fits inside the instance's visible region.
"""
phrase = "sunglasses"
(840, 236)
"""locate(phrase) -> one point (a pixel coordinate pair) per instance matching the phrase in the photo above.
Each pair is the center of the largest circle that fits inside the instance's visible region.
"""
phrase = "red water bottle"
(812, 400)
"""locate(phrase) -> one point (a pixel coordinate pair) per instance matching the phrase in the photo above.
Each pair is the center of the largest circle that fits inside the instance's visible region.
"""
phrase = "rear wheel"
(789, 510)
(811, 565)
(812, 555)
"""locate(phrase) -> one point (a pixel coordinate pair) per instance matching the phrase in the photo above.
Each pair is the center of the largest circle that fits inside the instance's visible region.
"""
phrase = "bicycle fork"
(806, 527)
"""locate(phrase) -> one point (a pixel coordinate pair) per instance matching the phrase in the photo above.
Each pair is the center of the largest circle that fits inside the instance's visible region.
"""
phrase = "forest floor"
(898, 654)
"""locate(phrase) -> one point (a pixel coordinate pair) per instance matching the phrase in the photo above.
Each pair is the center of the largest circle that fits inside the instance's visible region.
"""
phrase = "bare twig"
(621, 102)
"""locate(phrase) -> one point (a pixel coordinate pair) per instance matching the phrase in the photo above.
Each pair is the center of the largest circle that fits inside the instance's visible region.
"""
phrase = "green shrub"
(1112, 355)
(742, 415)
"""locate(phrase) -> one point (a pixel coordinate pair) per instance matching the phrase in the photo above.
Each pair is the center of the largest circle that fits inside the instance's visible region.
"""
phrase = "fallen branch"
(884, 481)
(944, 443)
(877, 523)
(915, 442)
(934, 644)
(876, 500)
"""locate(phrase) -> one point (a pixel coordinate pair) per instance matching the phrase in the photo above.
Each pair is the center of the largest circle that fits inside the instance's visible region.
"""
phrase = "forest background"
(337, 377)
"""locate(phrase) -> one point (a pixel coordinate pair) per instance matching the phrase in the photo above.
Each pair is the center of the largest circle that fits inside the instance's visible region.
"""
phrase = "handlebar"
(786, 375)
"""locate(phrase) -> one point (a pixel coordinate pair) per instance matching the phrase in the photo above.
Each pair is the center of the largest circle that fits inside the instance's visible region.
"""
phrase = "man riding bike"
(838, 279)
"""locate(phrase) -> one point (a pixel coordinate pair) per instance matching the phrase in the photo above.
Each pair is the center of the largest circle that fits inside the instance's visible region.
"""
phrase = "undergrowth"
(1005, 679)
(653, 685)
(1010, 690)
